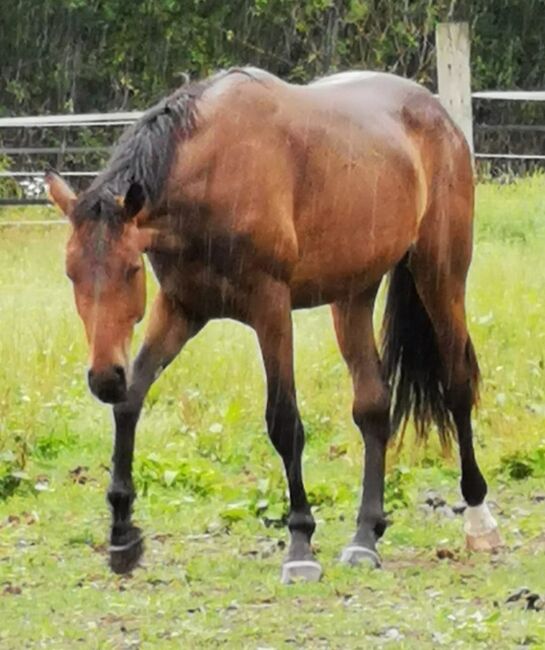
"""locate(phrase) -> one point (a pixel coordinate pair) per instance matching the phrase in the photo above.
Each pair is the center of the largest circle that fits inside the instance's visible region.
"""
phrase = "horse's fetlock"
(375, 523)
(121, 499)
(380, 527)
(473, 486)
(302, 522)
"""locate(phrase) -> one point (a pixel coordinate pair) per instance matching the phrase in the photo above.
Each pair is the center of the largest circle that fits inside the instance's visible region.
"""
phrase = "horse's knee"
(126, 414)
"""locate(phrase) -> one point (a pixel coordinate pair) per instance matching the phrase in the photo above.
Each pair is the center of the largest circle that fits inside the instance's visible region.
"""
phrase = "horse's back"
(377, 100)
(374, 90)
(367, 98)
(382, 105)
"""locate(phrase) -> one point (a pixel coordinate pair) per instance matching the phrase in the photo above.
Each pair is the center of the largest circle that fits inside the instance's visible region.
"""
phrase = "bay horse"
(252, 197)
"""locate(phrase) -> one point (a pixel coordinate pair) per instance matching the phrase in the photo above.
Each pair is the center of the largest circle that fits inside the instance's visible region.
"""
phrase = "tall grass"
(209, 404)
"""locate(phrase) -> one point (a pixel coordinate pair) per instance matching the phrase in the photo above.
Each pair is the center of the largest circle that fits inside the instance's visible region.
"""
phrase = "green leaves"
(197, 476)
(396, 491)
(12, 475)
(110, 55)
(523, 464)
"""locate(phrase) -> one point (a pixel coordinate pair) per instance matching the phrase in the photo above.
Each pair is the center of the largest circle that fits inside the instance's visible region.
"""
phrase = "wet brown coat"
(281, 197)
(325, 186)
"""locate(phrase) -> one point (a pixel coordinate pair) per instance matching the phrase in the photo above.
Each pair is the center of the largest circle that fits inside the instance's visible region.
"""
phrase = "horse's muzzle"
(109, 385)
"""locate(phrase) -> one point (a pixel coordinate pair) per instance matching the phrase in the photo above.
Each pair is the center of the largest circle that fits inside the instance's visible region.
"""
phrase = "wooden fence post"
(454, 74)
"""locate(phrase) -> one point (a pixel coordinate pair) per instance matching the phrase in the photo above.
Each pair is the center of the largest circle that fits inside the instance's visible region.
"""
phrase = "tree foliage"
(85, 55)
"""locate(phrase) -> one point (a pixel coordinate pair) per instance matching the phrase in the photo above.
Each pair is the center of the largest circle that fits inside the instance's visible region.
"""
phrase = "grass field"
(211, 491)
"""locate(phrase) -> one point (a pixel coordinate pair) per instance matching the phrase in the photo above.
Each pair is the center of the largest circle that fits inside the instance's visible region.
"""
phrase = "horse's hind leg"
(371, 411)
(439, 271)
(270, 315)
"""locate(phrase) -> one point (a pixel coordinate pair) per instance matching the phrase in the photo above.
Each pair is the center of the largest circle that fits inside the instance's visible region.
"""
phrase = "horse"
(252, 197)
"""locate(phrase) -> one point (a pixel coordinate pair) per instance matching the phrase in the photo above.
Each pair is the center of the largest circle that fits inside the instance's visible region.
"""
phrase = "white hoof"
(355, 555)
(486, 542)
(300, 570)
(481, 529)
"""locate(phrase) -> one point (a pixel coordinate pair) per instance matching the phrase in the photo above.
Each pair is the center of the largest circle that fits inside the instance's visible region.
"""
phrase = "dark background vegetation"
(84, 55)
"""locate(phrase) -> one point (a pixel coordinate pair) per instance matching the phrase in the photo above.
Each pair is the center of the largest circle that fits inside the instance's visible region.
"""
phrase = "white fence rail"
(126, 118)
(86, 119)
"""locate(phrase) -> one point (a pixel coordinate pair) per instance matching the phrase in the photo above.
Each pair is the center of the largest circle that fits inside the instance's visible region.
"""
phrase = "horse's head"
(104, 262)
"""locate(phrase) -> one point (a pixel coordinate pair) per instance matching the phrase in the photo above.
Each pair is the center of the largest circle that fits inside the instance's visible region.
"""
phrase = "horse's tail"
(412, 363)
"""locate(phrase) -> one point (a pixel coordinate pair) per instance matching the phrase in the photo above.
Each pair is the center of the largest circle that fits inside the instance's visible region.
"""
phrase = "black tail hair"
(412, 364)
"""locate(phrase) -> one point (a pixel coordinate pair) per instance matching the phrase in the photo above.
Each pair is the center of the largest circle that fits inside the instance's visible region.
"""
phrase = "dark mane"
(143, 154)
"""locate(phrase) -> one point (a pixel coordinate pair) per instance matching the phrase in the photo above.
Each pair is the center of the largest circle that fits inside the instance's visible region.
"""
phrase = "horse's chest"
(210, 279)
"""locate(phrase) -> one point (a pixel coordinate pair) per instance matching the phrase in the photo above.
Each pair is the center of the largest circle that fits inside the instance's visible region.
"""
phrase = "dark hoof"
(300, 571)
(124, 557)
(355, 555)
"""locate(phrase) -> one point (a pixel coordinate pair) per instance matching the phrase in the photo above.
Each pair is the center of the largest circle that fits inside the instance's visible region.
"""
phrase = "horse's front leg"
(167, 333)
(271, 319)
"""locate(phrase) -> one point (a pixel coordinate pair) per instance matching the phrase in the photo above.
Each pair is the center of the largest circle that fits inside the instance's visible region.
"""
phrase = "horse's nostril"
(108, 385)
(119, 371)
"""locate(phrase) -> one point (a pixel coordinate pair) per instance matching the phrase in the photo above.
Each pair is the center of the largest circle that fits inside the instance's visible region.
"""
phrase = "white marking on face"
(479, 520)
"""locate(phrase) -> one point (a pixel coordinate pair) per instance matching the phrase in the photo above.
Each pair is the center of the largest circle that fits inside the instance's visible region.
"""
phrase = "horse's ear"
(60, 193)
(134, 201)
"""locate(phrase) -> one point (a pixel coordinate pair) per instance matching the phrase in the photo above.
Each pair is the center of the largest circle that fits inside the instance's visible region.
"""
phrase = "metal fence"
(30, 183)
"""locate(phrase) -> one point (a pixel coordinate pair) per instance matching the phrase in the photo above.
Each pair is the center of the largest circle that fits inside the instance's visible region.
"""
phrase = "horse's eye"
(132, 271)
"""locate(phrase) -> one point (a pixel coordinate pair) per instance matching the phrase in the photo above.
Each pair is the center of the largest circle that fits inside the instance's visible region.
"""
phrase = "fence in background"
(453, 69)
(33, 176)
(453, 51)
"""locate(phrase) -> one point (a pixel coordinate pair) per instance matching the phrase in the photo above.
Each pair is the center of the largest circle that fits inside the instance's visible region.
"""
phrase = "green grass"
(211, 490)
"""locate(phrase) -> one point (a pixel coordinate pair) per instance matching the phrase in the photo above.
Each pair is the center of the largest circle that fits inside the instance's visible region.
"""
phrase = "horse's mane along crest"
(143, 154)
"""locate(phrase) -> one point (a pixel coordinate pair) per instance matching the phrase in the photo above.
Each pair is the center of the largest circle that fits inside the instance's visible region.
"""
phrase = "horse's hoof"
(489, 542)
(125, 557)
(481, 529)
(355, 555)
(300, 571)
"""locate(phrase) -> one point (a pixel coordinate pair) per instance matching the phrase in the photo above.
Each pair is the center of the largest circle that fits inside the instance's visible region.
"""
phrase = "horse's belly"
(347, 248)
(326, 279)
